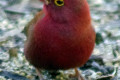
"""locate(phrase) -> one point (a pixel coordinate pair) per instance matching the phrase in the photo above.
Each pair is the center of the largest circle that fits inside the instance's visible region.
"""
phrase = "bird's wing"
(31, 24)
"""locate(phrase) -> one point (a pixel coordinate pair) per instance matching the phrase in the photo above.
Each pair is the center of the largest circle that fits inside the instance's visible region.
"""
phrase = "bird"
(60, 37)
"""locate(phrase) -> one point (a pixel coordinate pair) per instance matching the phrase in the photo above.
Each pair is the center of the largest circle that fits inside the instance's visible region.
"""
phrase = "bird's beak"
(46, 2)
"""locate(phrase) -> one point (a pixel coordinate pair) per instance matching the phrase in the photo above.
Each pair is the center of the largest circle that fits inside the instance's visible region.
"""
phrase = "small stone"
(109, 69)
(87, 72)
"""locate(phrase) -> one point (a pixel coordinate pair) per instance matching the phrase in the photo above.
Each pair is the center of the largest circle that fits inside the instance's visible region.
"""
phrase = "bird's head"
(56, 3)
(63, 3)
(61, 9)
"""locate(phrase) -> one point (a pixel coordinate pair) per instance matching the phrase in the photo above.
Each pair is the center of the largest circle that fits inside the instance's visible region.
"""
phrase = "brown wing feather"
(31, 24)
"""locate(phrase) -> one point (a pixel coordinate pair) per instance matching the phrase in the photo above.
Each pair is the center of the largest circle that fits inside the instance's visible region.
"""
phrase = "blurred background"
(103, 65)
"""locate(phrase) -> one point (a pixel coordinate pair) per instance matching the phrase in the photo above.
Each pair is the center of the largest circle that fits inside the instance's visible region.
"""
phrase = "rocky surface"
(102, 65)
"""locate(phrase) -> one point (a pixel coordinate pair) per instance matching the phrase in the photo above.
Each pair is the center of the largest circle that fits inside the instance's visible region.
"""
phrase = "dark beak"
(46, 2)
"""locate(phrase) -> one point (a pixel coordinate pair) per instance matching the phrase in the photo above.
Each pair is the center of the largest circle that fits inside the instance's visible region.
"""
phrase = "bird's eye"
(59, 2)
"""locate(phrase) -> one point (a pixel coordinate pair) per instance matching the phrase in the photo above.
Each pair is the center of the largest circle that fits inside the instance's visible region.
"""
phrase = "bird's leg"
(39, 74)
(78, 75)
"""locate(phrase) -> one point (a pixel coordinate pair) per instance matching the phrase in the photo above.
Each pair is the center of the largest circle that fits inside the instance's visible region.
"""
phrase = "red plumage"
(62, 37)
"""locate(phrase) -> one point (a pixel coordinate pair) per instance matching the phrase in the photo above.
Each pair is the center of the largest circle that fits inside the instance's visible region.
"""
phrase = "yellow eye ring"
(59, 2)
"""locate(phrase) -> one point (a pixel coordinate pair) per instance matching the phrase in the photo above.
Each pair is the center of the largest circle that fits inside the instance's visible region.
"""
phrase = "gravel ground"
(103, 64)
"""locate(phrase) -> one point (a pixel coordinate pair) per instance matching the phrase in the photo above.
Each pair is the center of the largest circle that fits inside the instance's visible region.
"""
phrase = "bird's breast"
(59, 46)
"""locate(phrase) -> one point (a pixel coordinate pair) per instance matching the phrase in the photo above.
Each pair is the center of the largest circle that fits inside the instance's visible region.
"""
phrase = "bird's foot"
(77, 75)
(39, 74)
